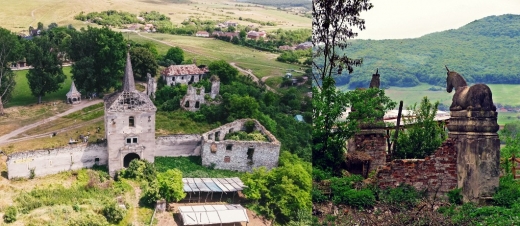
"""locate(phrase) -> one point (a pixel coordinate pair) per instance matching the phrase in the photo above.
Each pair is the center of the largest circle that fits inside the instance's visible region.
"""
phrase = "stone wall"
(437, 171)
(239, 155)
(52, 161)
(178, 145)
(193, 99)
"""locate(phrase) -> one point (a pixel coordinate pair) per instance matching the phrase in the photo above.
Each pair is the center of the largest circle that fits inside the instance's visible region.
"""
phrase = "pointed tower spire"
(128, 79)
(73, 88)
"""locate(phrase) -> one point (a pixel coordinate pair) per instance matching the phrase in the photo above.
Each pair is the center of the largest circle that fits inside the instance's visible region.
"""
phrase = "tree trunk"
(1, 106)
(39, 99)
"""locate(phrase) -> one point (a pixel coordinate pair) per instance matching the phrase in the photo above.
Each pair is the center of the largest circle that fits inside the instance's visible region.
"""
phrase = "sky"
(396, 19)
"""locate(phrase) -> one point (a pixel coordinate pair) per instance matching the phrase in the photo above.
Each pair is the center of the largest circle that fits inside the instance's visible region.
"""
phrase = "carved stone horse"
(474, 98)
(375, 82)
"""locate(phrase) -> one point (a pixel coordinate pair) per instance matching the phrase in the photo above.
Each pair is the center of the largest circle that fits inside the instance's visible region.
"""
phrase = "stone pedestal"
(373, 142)
(478, 153)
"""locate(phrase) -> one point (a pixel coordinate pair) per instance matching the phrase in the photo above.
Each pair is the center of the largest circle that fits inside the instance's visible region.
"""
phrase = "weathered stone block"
(478, 156)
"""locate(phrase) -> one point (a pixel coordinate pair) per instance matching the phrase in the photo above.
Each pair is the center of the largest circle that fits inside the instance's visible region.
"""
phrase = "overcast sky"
(395, 19)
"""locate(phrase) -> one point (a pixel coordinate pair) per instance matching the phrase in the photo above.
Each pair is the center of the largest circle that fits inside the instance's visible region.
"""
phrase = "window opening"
(229, 147)
(131, 121)
(250, 153)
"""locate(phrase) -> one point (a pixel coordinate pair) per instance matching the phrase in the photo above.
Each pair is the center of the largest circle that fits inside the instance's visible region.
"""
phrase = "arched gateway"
(128, 158)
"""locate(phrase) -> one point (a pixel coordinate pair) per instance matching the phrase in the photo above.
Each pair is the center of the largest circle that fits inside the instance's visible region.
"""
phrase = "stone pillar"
(478, 153)
(373, 142)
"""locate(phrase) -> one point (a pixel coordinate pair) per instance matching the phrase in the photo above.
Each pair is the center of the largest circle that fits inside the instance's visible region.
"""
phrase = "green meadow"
(22, 93)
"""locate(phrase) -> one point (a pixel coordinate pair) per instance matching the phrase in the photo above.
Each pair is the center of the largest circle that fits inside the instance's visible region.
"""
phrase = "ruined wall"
(437, 171)
(239, 155)
(193, 99)
(236, 157)
(178, 145)
(52, 161)
(372, 142)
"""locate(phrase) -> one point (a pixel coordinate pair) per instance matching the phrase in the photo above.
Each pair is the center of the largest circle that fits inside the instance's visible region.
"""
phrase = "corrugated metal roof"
(213, 184)
(212, 214)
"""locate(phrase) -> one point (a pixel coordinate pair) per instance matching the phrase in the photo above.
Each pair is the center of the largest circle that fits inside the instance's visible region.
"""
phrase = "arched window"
(131, 121)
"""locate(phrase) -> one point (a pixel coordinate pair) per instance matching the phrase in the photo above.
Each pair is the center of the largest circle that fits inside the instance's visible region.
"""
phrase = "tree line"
(483, 51)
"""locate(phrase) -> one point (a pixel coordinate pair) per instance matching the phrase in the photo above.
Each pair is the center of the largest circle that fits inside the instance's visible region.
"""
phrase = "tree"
(46, 74)
(238, 107)
(170, 185)
(10, 49)
(231, 29)
(99, 59)
(175, 54)
(242, 34)
(143, 62)
(52, 26)
(40, 26)
(223, 70)
(425, 134)
(332, 26)
(282, 191)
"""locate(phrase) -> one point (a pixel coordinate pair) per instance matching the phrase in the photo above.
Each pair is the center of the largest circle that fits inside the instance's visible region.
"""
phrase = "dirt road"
(83, 104)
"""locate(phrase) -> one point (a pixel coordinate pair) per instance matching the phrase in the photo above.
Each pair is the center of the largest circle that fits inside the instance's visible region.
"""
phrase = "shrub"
(10, 214)
(139, 169)
(150, 194)
(403, 196)
(508, 192)
(355, 198)
(339, 184)
(249, 125)
(317, 196)
(455, 196)
(114, 214)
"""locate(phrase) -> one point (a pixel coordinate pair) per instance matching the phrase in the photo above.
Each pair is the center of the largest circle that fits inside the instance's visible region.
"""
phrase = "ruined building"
(183, 74)
(129, 124)
(196, 96)
(239, 155)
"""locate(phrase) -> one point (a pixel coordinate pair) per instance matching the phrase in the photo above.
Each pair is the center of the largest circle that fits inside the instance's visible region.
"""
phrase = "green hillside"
(483, 51)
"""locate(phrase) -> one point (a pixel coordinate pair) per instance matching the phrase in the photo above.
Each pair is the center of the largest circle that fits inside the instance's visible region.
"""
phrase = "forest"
(483, 51)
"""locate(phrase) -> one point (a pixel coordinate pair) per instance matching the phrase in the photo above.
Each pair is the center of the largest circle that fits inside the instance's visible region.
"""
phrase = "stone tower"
(129, 124)
(215, 86)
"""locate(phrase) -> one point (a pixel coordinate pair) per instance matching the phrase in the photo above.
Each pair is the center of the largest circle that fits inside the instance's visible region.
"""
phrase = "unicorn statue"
(472, 98)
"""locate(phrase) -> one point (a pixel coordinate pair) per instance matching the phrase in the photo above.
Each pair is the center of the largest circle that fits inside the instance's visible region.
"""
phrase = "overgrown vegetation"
(242, 135)
(423, 136)
(90, 195)
(282, 192)
(191, 166)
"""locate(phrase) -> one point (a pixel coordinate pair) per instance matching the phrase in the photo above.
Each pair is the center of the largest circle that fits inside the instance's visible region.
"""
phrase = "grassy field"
(22, 93)
(205, 50)
(19, 15)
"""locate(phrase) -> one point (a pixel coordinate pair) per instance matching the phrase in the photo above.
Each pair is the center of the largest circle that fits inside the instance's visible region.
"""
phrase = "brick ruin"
(435, 173)
(468, 159)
